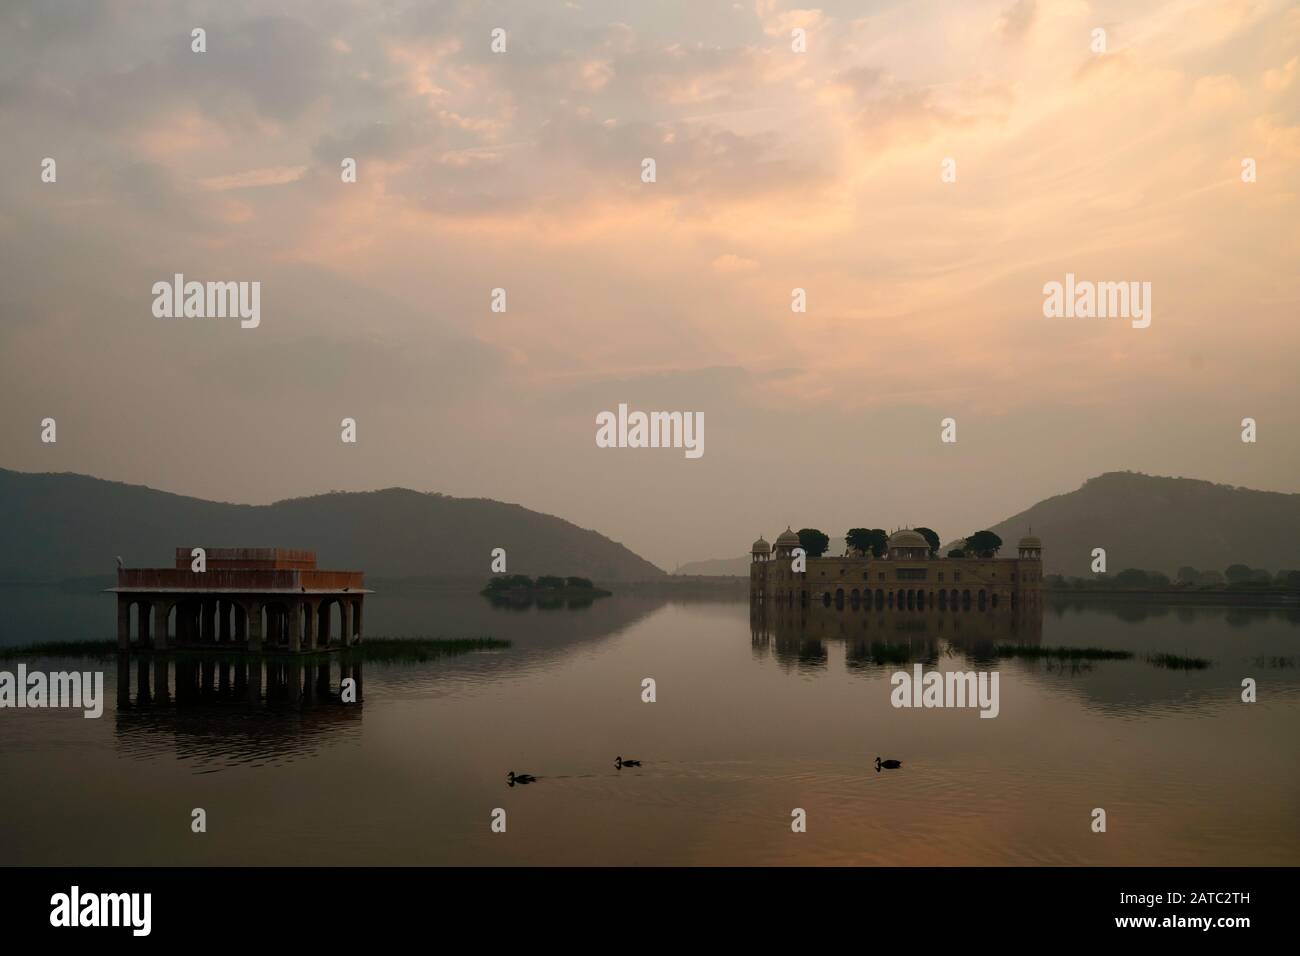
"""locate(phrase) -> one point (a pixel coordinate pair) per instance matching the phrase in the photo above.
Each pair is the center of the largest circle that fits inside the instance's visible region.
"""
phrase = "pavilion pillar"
(208, 628)
(223, 621)
(255, 636)
(123, 622)
(160, 612)
(309, 624)
(143, 610)
(346, 607)
(295, 627)
(361, 602)
(325, 620)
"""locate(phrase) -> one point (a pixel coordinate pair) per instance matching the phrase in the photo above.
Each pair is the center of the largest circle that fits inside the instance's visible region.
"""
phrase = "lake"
(754, 716)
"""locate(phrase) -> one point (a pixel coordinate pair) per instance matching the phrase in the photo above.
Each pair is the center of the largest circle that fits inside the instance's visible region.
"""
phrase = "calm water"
(753, 719)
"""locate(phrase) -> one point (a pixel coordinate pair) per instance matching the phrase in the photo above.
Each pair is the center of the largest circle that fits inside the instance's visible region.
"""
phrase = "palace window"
(911, 574)
(940, 577)
(956, 575)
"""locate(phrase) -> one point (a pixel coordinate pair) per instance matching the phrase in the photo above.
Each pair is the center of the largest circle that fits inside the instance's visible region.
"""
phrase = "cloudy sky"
(775, 170)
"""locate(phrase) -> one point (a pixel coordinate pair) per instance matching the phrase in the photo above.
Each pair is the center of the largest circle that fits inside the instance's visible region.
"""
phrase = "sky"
(775, 169)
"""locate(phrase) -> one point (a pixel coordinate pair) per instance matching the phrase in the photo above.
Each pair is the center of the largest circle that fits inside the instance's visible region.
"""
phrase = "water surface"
(755, 716)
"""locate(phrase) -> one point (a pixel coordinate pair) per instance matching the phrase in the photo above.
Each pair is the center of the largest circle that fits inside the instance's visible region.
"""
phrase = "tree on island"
(813, 542)
(984, 544)
(575, 582)
(1132, 578)
(1238, 573)
(956, 553)
(931, 539)
(510, 582)
(872, 541)
(550, 581)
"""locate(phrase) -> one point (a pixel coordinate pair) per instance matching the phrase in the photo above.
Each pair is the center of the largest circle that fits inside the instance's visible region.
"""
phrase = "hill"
(726, 567)
(1160, 524)
(1143, 521)
(61, 526)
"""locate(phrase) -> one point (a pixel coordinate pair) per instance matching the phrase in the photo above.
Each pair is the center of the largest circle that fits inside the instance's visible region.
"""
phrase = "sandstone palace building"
(906, 578)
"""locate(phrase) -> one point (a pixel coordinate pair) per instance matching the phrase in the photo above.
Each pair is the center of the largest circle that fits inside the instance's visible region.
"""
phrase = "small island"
(519, 590)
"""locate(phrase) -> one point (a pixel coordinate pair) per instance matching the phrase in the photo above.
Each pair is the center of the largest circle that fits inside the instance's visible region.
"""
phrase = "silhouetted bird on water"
(620, 763)
(512, 778)
(887, 764)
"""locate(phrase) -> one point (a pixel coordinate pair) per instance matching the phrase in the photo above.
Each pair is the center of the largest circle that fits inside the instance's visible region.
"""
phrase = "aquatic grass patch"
(92, 649)
(1062, 653)
(1177, 662)
(1277, 662)
(414, 650)
(417, 650)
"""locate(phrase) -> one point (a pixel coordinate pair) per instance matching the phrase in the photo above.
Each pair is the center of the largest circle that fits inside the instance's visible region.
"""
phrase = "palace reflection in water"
(796, 635)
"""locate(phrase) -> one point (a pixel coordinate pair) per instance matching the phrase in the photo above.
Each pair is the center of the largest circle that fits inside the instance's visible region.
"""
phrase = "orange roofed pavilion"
(249, 599)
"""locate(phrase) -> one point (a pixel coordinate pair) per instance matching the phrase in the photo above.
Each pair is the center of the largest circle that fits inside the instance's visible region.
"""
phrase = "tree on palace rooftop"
(931, 539)
(871, 541)
(985, 544)
(813, 542)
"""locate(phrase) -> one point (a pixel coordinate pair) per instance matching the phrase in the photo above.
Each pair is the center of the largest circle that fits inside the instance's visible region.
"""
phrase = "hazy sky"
(775, 170)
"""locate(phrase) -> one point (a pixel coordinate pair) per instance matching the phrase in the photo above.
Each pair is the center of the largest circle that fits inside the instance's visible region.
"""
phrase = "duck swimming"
(512, 778)
(887, 764)
(620, 763)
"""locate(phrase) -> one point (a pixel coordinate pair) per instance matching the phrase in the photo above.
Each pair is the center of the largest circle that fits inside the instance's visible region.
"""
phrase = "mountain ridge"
(62, 525)
(1152, 522)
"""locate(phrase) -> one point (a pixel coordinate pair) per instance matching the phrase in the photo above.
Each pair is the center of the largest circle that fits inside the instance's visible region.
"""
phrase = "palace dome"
(1031, 541)
(761, 547)
(787, 539)
(907, 538)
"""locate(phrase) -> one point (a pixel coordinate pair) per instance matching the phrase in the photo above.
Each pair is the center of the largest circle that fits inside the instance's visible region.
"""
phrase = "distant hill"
(61, 526)
(1143, 521)
(734, 567)
(1160, 524)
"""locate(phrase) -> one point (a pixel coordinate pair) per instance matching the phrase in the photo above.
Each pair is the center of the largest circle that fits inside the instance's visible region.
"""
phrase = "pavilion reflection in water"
(799, 636)
(234, 709)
